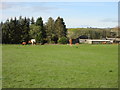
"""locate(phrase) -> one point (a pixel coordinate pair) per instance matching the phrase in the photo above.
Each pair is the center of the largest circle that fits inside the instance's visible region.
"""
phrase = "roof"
(99, 40)
(83, 37)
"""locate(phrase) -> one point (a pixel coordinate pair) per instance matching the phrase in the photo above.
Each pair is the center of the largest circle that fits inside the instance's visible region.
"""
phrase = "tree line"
(16, 31)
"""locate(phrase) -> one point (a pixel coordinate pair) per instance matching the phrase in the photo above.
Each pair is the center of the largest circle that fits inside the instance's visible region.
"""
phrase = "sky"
(75, 14)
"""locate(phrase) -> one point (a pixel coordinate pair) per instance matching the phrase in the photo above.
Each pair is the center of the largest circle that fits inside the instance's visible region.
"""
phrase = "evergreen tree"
(64, 28)
(34, 31)
(50, 30)
(21, 28)
(6, 32)
(25, 29)
(12, 30)
(32, 20)
(41, 35)
(16, 32)
(39, 22)
(60, 28)
(1, 32)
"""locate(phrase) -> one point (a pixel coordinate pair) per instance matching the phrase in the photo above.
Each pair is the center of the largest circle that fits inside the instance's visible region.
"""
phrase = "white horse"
(33, 41)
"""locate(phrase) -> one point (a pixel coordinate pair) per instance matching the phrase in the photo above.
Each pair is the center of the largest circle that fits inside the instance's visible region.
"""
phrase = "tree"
(15, 31)
(50, 30)
(34, 32)
(5, 32)
(21, 28)
(41, 35)
(39, 22)
(32, 20)
(25, 29)
(64, 27)
(104, 34)
(60, 28)
(63, 40)
(1, 32)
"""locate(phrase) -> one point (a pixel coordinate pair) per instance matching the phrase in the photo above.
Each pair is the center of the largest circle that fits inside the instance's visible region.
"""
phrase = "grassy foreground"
(60, 66)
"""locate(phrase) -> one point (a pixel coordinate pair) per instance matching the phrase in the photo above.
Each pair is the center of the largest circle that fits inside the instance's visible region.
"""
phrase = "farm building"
(74, 41)
(84, 39)
(115, 40)
(98, 41)
(81, 39)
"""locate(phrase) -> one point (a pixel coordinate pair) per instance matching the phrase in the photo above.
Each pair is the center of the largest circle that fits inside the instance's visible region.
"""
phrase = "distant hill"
(93, 33)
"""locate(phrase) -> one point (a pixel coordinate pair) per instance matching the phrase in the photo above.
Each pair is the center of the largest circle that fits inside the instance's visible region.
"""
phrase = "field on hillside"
(60, 66)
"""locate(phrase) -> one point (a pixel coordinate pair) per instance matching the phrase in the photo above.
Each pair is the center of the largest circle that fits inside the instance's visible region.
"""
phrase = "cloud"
(109, 20)
(13, 9)
(4, 5)
(43, 9)
(28, 6)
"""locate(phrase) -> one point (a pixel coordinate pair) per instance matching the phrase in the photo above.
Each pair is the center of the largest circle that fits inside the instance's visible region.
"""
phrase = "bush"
(63, 40)
(52, 42)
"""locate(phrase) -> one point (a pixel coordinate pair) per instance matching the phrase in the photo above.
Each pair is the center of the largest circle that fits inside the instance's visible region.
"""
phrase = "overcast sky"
(75, 14)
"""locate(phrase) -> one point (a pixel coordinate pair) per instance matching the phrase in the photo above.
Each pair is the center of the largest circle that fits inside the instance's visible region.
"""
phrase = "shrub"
(63, 40)
(52, 42)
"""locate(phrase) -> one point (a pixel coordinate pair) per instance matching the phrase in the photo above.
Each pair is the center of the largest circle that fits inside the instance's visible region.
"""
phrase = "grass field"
(60, 66)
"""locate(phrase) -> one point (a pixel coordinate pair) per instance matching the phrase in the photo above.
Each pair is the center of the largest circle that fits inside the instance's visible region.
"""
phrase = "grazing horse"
(70, 41)
(33, 41)
(103, 42)
(23, 43)
(29, 42)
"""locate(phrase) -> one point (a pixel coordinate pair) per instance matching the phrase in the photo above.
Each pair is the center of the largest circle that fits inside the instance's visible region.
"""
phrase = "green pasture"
(60, 66)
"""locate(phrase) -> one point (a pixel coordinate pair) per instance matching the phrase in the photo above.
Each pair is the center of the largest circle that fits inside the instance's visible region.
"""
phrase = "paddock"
(60, 66)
